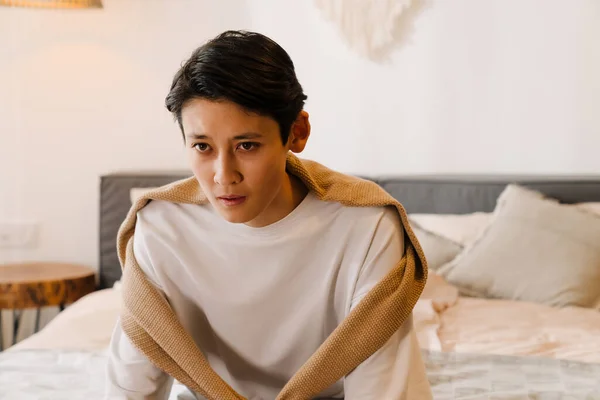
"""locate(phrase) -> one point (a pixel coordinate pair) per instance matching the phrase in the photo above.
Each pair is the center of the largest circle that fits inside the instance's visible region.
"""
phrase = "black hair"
(246, 68)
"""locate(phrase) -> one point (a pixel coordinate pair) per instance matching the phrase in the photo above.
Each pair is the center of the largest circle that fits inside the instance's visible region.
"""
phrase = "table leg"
(36, 328)
(16, 320)
(20, 321)
(6, 328)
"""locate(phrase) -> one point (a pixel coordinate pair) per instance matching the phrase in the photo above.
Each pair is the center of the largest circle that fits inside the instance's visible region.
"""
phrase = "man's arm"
(130, 375)
(396, 371)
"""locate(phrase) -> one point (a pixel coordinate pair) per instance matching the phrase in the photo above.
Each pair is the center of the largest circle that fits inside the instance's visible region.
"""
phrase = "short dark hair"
(246, 68)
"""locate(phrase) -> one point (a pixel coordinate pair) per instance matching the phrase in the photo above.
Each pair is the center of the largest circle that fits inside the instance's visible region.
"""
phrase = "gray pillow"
(438, 249)
(534, 249)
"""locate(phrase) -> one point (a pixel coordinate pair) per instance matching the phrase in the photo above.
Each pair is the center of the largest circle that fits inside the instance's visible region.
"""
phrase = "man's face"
(237, 157)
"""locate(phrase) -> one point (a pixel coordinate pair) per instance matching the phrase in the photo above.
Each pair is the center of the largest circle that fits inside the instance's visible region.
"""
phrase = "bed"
(481, 338)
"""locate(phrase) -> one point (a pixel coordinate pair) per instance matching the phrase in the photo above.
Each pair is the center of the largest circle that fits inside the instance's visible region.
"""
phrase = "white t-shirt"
(260, 301)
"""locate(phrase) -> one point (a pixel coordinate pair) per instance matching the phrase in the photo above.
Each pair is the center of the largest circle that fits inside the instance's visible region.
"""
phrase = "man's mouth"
(231, 200)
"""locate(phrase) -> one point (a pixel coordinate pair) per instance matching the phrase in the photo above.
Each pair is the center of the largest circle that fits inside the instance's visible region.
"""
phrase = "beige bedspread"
(506, 327)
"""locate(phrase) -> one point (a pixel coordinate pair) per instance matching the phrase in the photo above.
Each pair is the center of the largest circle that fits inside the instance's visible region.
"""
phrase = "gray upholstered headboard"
(114, 204)
(418, 194)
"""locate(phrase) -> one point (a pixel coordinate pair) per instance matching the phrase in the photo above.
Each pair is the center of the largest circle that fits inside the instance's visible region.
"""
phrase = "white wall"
(495, 86)
(82, 94)
(478, 86)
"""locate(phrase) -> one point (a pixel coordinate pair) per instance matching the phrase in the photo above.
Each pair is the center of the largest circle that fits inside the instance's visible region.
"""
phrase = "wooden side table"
(41, 284)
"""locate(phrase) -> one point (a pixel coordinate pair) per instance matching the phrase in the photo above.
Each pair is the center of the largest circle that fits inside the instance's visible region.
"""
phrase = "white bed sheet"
(58, 374)
(39, 374)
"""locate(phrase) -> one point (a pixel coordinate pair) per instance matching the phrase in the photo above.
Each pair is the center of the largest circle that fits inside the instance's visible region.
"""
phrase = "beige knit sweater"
(154, 329)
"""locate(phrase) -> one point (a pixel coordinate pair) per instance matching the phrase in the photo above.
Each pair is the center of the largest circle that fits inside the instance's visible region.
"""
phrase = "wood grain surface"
(34, 285)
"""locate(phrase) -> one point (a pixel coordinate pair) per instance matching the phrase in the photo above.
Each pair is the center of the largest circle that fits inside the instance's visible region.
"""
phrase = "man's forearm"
(130, 375)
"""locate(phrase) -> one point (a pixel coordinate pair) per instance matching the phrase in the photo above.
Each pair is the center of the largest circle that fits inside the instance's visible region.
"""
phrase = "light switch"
(18, 234)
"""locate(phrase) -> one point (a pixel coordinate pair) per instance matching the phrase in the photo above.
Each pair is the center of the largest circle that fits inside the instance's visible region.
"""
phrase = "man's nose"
(226, 171)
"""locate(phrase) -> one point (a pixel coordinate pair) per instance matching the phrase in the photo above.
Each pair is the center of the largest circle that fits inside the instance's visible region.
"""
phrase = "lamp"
(53, 3)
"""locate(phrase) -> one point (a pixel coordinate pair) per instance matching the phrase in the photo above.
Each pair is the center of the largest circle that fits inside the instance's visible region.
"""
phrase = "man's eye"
(201, 147)
(247, 146)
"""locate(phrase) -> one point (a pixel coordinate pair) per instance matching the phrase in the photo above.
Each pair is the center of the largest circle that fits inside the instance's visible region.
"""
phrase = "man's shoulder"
(156, 209)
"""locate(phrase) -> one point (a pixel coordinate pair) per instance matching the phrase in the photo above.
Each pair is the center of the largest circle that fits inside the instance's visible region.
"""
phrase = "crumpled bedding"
(475, 325)
(505, 327)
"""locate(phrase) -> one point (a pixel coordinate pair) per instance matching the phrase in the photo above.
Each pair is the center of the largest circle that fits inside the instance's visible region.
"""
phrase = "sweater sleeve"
(130, 375)
(396, 371)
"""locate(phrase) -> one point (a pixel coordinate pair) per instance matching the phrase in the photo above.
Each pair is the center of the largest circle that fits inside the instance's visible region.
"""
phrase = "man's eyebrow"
(248, 135)
(241, 136)
(196, 136)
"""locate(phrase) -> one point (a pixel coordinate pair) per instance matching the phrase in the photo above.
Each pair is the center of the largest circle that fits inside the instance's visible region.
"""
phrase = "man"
(264, 271)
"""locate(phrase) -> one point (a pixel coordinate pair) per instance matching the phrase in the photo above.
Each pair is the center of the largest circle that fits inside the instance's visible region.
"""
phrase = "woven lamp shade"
(53, 3)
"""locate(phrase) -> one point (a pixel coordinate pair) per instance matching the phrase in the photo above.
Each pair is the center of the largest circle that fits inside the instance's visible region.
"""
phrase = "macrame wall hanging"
(372, 28)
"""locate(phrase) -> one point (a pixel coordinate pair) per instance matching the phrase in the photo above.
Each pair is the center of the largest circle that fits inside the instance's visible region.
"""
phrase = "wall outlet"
(18, 234)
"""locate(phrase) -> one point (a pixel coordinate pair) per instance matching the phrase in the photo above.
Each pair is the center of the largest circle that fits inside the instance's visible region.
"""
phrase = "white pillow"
(459, 228)
(438, 249)
(534, 249)
(464, 228)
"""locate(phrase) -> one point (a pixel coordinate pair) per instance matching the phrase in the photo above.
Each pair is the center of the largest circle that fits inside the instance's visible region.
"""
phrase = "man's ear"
(299, 133)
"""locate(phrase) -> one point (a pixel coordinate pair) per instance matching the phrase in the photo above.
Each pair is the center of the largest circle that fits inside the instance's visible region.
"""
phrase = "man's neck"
(292, 192)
